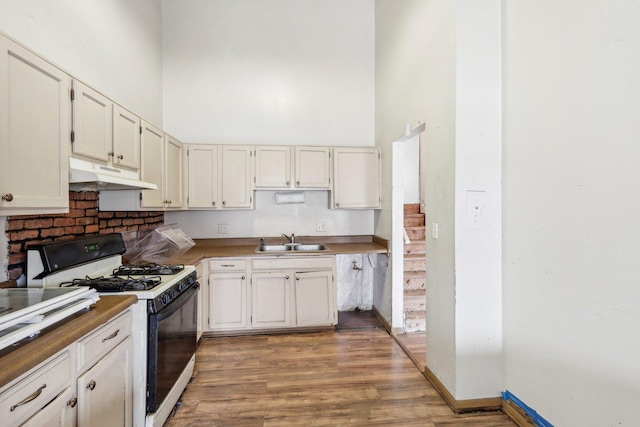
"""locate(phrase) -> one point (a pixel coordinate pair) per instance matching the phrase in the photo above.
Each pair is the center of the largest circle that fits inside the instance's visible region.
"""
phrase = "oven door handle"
(178, 303)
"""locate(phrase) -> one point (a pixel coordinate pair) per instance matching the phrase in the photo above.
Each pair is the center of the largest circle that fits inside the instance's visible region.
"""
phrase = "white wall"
(571, 208)
(269, 219)
(269, 72)
(113, 45)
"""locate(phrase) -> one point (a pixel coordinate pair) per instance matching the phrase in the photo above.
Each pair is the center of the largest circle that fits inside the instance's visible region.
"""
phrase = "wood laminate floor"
(351, 377)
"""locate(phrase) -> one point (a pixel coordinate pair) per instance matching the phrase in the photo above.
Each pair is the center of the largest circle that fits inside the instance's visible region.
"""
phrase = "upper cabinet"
(273, 167)
(219, 177)
(34, 133)
(312, 167)
(104, 131)
(127, 129)
(173, 196)
(152, 155)
(235, 187)
(356, 178)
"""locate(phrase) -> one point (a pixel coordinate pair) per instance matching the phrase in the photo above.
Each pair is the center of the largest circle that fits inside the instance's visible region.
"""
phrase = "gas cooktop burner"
(144, 269)
(116, 284)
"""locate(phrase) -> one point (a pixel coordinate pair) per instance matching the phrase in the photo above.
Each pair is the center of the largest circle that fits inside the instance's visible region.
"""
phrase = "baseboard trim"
(460, 406)
(382, 320)
(516, 414)
(414, 359)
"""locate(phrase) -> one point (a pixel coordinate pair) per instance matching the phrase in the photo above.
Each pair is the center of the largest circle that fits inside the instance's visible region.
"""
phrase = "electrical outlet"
(223, 229)
(321, 227)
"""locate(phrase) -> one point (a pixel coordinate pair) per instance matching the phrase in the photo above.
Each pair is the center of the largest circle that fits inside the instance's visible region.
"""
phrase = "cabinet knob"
(288, 182)
(7, 197)
(224, 203)
(72, 402)
(286, 277)
(213, 203)
(242, 277)
(91, 385)
(297, 277)
(337, 204)
(120, 157)
(111, 153)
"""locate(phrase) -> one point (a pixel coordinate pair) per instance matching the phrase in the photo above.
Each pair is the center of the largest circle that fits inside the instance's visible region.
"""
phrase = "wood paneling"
(350, 377)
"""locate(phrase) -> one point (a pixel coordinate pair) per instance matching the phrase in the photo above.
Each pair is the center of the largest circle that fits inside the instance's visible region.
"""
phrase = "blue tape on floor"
(537, 419)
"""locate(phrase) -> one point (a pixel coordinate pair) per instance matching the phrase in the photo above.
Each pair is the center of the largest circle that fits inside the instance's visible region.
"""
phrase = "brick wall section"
(84, 219)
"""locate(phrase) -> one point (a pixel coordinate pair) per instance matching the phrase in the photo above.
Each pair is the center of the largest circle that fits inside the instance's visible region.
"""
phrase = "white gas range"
(164, 318)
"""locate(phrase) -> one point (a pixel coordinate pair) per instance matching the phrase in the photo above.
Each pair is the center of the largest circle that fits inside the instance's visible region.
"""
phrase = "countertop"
(20, 358)
(219, 248)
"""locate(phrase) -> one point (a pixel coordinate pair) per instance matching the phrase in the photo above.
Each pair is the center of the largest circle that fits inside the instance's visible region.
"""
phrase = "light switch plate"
(434, 230)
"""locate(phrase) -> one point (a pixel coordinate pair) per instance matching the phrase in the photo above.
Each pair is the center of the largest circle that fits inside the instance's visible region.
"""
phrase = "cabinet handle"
(297, 278)
(120, 157)
(224, 203)
(29, 398)
(288, 182)
(7, 197)
(91, 385)
(337, 204)
(242, 277)
(111, 153)
(213, 203)
(297, 182)
(112, 336)
(72, 402)
(286, 277)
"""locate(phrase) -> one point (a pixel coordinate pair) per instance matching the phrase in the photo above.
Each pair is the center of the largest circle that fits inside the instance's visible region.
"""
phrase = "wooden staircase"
(414, 313)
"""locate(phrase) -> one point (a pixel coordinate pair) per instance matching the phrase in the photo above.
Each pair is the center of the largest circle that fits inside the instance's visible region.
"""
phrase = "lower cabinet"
(86, 384)
(104, 391)
(271, 293)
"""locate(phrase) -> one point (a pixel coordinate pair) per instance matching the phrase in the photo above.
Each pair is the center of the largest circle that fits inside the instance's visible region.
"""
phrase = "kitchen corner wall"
(83, 220)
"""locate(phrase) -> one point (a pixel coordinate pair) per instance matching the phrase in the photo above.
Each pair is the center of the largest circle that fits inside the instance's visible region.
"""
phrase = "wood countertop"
(220, 248)
(28, 353)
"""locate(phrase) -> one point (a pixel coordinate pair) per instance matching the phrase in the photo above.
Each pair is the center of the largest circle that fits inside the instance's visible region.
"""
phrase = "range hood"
(85, 175)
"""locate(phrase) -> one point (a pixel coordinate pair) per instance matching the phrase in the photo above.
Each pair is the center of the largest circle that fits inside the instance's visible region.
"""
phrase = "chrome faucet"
(292, 239)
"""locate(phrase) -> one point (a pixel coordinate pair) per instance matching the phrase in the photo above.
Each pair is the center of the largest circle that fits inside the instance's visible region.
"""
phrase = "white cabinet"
(228, 297)
(173, 196)
(219, 177)
(105, 390)
(273, 167)
(200, 271)
(126, 138)
(315, 298)
(34, 133)
(356, 178)
(271, 299)
(92, 123)
(161, 165)
(152, 161)
(203, 179)
(88, 383)
(103, 131)
(312, 167)
(236, 189)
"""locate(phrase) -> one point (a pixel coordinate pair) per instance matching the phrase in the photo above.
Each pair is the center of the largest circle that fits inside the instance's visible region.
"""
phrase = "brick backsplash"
(84, 219)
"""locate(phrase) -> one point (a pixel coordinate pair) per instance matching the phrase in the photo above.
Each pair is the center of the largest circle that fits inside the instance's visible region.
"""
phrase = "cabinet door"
(152, 159)
(34, 133)
(126, 138)
(315, 299)
(203, 176)
(173, 172)
(312, 167)
(228, 301)
(92, 123)
(356, 178)
(270, 300)
(60, 412)
(236, 177)
(105, 390)
(273, 167)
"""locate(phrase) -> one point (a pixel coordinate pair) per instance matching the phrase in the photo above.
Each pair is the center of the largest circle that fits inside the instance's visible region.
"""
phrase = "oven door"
(172, 342)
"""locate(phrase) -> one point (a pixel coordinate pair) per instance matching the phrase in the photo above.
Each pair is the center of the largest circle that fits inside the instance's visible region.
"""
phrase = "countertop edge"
(55, 338)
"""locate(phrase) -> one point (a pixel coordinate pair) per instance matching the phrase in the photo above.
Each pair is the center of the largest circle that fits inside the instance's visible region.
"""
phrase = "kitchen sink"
(292, 248)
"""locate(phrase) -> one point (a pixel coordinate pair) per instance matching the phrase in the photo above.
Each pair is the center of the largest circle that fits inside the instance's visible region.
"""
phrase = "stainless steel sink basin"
(292, 248)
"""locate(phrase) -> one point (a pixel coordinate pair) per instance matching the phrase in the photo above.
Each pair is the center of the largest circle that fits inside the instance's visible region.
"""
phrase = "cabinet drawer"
(32, 393)
(217, 265)
(98, 343)
(303, 263)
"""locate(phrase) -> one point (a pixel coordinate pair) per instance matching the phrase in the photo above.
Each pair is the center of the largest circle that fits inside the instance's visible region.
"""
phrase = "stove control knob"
(181, 286)
(166, 298)
(191, 280)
